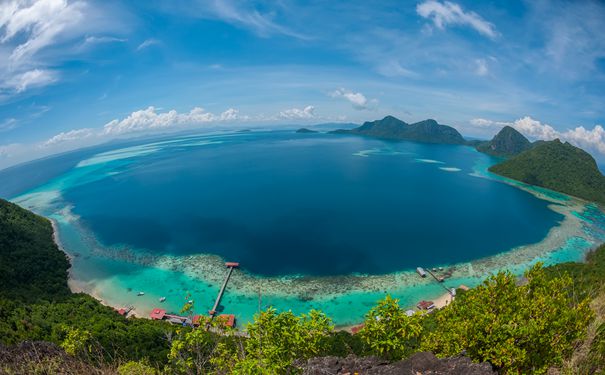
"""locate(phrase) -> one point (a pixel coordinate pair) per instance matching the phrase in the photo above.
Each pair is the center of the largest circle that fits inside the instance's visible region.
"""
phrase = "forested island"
(553, 164)
(501, 325)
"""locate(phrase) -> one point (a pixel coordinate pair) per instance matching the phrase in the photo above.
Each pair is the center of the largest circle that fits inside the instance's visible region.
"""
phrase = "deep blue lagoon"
(319, 204)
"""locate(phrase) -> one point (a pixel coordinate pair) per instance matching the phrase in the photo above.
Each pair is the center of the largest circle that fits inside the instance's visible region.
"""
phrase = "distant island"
(553, 165)
(390, 127)
(508, 142)
(305, 130)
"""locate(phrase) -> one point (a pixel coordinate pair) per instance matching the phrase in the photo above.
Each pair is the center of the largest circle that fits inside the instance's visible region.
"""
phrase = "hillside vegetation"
(557, 166)
(513, 328)
(508, 142)
(390, 127)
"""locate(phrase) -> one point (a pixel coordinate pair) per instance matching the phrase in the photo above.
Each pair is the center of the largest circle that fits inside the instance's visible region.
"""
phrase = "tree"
(389, 332)
(278, 339)
(523, 328)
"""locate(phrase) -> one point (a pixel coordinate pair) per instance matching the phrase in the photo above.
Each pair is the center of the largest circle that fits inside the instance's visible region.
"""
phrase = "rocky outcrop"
(419, 363)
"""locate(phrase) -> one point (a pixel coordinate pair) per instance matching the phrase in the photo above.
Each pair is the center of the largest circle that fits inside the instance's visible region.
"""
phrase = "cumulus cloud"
(357, 99)
(589, 139)
(149, 119)
(72, 135)
(297, 114)
(447, 13)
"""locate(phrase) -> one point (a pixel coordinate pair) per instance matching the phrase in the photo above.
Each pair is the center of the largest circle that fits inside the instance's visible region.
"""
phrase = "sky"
(83, 72)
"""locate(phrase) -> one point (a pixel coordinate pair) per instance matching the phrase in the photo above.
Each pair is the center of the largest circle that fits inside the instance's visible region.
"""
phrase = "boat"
(141, 294)
(162, 299)
(421, 271)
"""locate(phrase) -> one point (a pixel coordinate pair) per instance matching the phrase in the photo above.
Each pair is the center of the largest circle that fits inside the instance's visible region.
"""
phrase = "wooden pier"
(440, 280)
(230, 266)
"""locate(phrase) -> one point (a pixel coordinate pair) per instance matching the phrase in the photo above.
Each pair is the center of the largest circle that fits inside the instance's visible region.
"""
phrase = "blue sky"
(76, 73)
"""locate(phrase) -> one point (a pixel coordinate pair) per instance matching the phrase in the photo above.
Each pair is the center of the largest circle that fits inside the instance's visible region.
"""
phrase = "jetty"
(231, 266)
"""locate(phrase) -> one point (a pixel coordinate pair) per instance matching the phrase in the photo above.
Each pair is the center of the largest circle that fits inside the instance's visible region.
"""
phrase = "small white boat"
(190, 301)
(141, 294)
(162, 299)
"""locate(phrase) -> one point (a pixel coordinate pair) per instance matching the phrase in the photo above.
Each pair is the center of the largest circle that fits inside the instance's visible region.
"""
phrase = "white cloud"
(147, 43)
(589, 139)
(481, 68)
(103, 39)
(357, 99)
(297, 114)
(30, 79)
(69, 136)
(41, 21)
(29, 28)
(149, 119)
(241, 14)
(8, 124)
(447, 13)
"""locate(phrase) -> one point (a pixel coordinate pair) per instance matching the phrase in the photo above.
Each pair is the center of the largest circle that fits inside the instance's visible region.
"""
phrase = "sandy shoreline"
(113, 274)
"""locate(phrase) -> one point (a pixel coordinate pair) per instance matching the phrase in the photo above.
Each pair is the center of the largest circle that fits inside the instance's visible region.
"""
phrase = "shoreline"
(111, 274)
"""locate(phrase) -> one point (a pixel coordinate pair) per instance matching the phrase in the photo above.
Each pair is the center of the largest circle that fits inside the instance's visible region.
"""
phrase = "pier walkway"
(230, 266)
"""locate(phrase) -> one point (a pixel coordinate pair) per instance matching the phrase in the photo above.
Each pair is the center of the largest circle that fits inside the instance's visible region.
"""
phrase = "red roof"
(232, 264)
(356, 329)
(196, 320)
(157, 314)
(122, 311)
(229, 319)
(425, 305)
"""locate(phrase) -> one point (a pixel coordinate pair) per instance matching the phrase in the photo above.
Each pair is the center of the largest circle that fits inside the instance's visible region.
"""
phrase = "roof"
(196, 320)
(157, 314)
(122, 311)
(425, 305)
(232, 264)
(463, 287)
(228, 319)
(356, 329)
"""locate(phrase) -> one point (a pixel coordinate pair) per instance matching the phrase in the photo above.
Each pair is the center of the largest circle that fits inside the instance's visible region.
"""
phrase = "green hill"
(508, 142)
(392, 128)
(31, 265)
(557, 166)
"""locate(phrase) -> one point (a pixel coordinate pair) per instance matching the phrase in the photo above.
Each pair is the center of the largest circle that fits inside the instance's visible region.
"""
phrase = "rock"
(418, 363)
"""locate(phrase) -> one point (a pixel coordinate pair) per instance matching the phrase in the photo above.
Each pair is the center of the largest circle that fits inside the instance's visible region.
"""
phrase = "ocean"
(315, 220)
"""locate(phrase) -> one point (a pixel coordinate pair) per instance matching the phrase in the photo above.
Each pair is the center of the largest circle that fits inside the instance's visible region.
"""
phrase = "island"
(557, 166)
(305, 131)
(553, 165)
(428, 131)
(508, 142)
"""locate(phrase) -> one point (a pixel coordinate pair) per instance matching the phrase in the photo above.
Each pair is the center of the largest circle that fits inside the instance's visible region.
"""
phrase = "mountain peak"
(508, 142)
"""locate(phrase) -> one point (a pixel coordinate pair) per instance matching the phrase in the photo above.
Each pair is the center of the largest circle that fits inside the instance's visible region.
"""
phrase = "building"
(157, 314)
(425, 305)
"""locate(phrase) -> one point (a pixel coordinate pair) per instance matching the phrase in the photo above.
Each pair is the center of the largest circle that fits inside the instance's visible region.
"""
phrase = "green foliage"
(77, 342)
(587, 277)
(389, 332)
(31, 266)
(277, 339)
(392, 128)
(557, 166)
(508, 142)
(517, 328)
(136, 368)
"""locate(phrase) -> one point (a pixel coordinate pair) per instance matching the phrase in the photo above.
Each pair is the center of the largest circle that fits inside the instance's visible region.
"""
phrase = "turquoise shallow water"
(318, 221)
